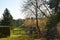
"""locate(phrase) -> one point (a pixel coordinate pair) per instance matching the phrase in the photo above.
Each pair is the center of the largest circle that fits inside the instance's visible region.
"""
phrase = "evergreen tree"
(7, 18)
(54, 4)
(52, 22)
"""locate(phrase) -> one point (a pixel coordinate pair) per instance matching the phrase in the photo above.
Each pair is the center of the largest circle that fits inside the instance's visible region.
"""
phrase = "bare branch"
(26, 8)
(40, 9)
(30, 3)
(47, 8)
(32, 12)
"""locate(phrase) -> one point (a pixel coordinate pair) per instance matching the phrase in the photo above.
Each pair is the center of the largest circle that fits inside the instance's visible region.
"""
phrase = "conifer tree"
(7, 18)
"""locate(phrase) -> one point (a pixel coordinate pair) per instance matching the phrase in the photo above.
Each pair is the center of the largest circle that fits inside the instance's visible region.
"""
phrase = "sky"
(14, 6)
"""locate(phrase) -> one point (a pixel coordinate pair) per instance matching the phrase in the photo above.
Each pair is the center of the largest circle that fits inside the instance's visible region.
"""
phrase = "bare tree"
(31, 4)
(34, 7)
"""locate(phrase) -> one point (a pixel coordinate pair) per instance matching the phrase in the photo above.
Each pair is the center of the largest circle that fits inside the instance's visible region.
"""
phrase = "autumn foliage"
(41, 23)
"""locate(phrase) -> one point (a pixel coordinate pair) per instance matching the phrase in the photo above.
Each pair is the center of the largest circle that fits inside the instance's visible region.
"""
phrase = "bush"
(4, 32)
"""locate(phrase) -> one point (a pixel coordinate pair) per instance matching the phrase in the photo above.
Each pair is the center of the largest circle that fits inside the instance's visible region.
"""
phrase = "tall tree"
(30, 5)
(35, 7)
(53, 20)
(7, 18)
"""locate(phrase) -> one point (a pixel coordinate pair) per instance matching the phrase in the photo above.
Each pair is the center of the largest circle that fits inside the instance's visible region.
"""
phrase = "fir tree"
(7, 18)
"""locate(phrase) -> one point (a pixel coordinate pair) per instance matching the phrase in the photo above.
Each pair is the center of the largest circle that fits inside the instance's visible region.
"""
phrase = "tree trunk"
(37, 19)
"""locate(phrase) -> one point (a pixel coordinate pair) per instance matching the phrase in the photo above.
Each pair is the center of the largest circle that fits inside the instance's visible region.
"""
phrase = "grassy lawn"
(17, 34)
(15, 37)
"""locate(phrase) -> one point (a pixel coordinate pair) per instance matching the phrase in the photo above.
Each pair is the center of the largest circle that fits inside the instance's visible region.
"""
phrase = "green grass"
(17, 34)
